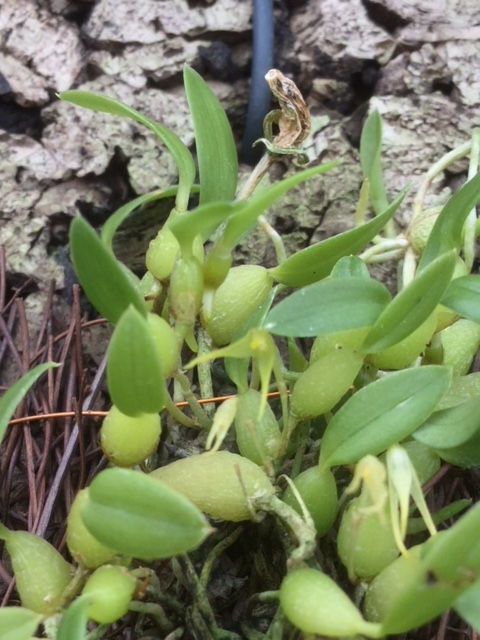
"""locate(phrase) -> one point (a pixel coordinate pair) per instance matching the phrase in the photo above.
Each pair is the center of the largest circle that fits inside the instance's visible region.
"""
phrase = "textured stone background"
(417, 62)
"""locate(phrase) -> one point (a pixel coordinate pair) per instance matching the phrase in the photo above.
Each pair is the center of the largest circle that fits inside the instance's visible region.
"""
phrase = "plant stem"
(203, 420)
(303, 528)
(256, 176)
(178, 415)
(205, 372)
(470, 223)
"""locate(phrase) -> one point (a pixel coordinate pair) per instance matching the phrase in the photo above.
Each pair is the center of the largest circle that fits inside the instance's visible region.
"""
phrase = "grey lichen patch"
(65, 197)
(45, 44)
(28, 87)
(340, 28)
(86, 141)
(137, 64)
(152, 21)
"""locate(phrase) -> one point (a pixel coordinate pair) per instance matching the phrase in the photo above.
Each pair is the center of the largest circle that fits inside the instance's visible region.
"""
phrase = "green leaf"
(134, 371)
(465, 455)
(350, 267)
(467, 606)
(242, 220)
(12, 396)
(412, 306)
(316, 262)
(73, 624)
(17, 623)
(333, 305)
(450, 427)
(241, 215)
(137, 515)
(450, 564)
(199, 221)
(370, 158)
(382, 414)
(115, 220)
(101, 275)
(216, 151)
(182, 156)
(417, 525)
(463, 296)
(447, 230)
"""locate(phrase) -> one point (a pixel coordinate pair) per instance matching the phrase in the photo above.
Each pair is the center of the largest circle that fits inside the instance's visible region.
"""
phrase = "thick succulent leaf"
(382, 413)
(137, 515)
(182, 156)
(412, 306)
(447, 230)
(12, 397)
(450, 427)
(467, 606)
(73, 624)
(332, 305)
(370, 158)
(449, 567)
(104, 280)
(134, 371)
(110, 227)
(316, 262)
(463, 296)
(216, 150)
(18, 623)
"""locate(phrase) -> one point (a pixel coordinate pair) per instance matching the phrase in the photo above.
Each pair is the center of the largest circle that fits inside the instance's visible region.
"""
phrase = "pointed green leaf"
(17, 623)
(73, 624)
(465, 455)
(259, 203)
(216, 151)
(382, 413)
(182, 156)
(450, 565)
(463, 296)
(316, 262)
(198, 221)
(241, 215)
(115, 220)
(134, 371)
(101, 275)
(467, 606)
(350, 267)
(447, 230)
(333, 305)
(370, 158)
(412, 305)
(450, 427)
(12, 396)
(137, 515)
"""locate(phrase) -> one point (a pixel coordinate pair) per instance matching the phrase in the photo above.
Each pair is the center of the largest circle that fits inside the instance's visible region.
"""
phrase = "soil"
(417, 63)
